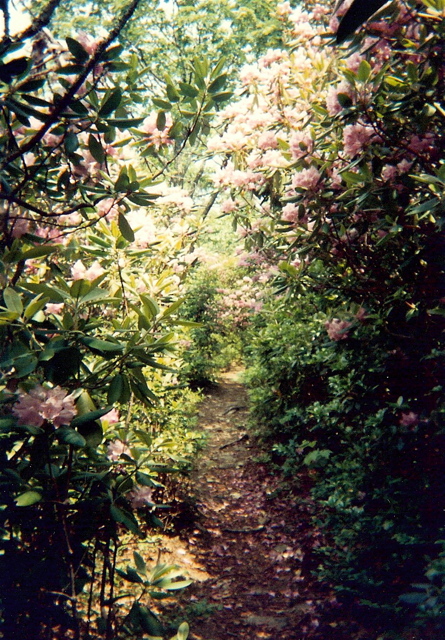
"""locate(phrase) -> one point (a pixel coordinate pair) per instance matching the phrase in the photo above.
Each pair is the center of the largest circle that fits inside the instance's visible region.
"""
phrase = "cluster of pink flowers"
(116, 448)
(80, 272)
(337, 329)
(157, 137)
(356, 137)
(41, 404)
(409, 419)
(309, 179)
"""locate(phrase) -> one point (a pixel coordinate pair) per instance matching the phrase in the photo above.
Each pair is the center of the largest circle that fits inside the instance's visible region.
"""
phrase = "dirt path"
(249, 546)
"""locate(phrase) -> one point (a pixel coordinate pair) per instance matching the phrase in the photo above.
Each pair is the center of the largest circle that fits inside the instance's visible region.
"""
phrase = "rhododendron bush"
(95, 244)
(334, 170)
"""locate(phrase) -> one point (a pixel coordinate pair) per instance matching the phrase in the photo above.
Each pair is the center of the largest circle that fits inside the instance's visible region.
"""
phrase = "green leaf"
(172, 93)
(149, 622)
(35, 305)
(133, 576)
(151, 307)
(110, 103)
(125, 123)
(183, 631)
(92, 432)
(68, 435)
(76, 50)
(218, 83)
(188, 90)
(12, 301)
(175, 586)
(364, 71)
(39, 252)
(102, 346)
(95, 148)
(12, 69)
(125, 518)
(161, 121)
(90, 416)
(222, 97)
(172, 308)
(28, 498)
(123, 180)
(71, 142)
(413, 598)
(162, 104)
(115, 389)
(125, 228)
(140, 563)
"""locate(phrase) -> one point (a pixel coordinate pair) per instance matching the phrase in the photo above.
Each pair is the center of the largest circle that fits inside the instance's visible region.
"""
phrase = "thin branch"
(69, 95)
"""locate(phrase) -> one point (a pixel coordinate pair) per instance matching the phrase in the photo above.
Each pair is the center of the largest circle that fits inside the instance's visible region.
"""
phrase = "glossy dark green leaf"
(222, 97)
(218, 84)
(12, 69)
(96, 149)
(150, 623)
(124, 517)
(101, 346)
(89, 416)
(68, 435)
(125, 229)
(92, 431)
(162, 104)
(71, 142)
(110, 103)
(188, 90)
(115, 389)
(76, 50)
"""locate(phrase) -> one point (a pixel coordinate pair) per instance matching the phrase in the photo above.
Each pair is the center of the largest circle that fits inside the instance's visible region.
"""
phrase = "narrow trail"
(249, 546)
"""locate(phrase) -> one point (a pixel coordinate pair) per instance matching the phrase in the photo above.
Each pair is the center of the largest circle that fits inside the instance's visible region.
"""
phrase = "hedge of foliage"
(335, 172)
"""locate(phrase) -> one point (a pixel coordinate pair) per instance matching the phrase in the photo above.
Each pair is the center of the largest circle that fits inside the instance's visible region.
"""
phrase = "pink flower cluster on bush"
(41, 404)
(337, 329)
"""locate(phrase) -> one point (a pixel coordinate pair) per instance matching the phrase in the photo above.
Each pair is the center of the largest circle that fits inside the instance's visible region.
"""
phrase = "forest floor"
(247, 542)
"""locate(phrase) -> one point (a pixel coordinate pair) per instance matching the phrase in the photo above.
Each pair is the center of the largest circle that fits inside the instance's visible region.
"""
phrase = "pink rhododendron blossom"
(20, 227)
(178, 197)
(355, 137)
(42, 404)
(284, 9)
(267, 140)
(404, 166)
(361, 314)
(307, 179)
(300, 144)
(332, 102)
(290, 212)
(409, 419)
(155, 136)
(337, 329)
(55, 308)
(80, 272)
(112, 417)
(116, 448)
(419, 144)
(140, 497)
(353, 62)
(389, 173)
(228, 206)
(107, 208)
